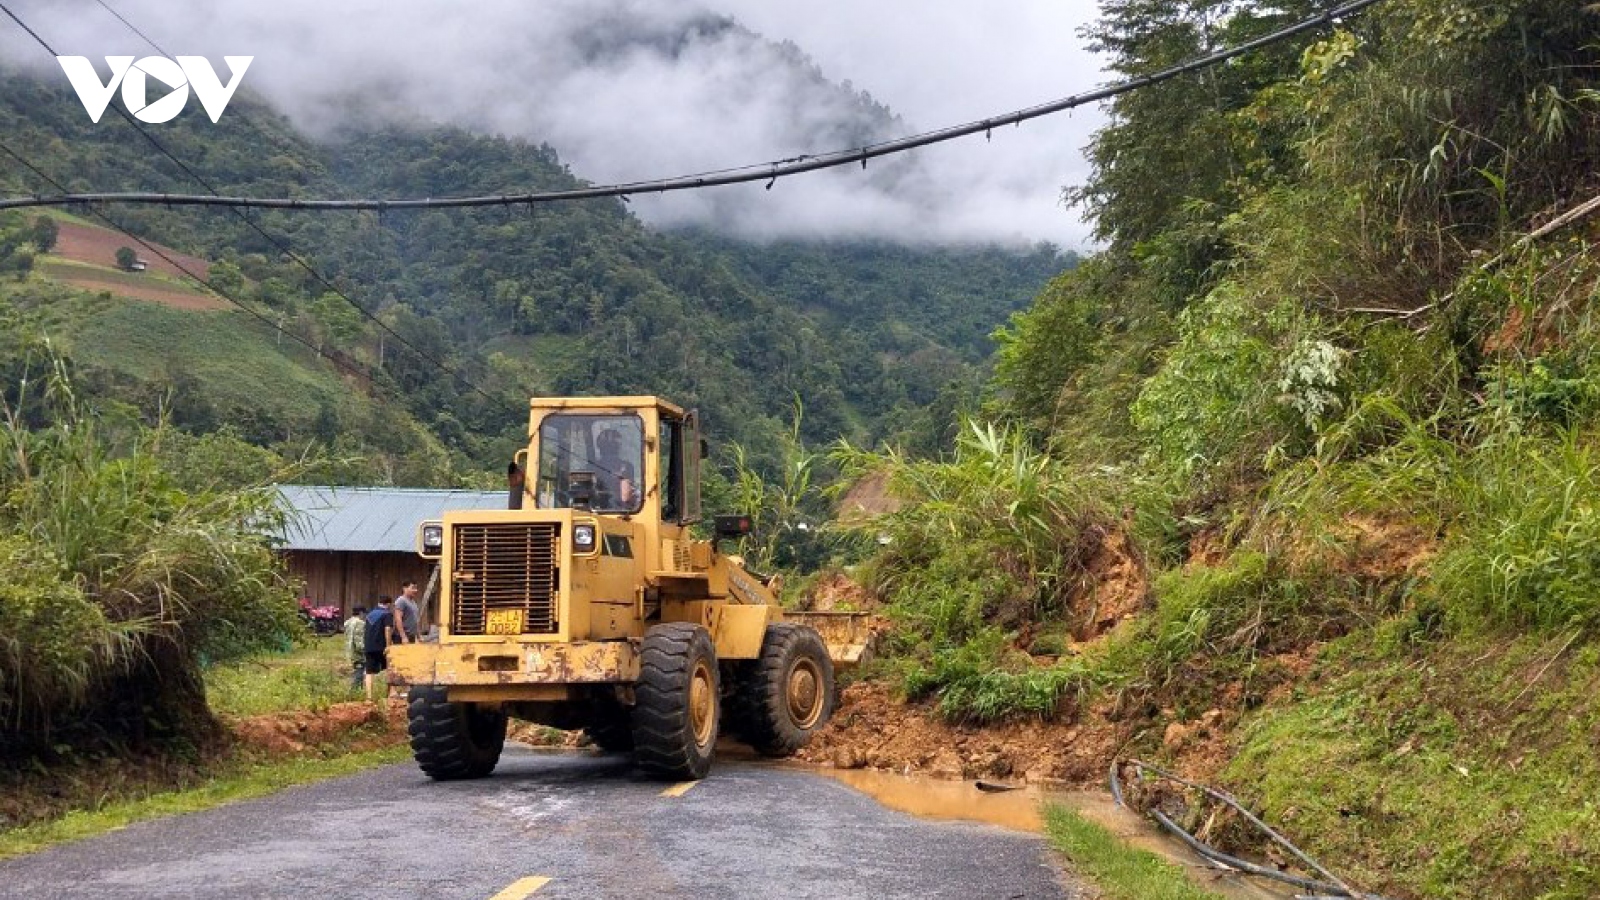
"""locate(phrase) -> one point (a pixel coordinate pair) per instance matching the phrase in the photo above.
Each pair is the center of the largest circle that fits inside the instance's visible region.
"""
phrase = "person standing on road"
(376, 640)
(355, 645)
(405, 614)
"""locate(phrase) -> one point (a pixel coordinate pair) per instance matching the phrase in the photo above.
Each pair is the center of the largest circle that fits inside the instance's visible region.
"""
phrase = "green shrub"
(53, 638)
(1243, 378)
(984, 680)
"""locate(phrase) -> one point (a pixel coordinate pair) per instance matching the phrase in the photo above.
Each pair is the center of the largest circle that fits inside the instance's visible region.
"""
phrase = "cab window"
(597, 459)
(671, 469)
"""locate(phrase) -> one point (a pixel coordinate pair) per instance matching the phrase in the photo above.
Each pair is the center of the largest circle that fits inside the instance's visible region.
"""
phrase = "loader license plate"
(505, 621)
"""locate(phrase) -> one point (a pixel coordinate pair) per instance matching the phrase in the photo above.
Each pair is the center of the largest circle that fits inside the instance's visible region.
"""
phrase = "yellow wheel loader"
(589, 603)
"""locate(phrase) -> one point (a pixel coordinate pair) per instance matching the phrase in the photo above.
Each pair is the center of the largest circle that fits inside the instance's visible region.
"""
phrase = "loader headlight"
(432, 538)
(582, 538)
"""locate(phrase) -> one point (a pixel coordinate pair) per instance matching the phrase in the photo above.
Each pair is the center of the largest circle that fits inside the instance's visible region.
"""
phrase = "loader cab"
(591, 461)
(623, 456)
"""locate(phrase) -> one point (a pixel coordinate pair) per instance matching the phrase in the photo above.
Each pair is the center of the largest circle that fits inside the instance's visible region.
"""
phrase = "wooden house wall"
(349, 579)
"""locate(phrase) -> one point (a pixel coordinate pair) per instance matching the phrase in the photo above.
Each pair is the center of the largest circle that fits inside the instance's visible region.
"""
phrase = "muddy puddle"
(1022, 810)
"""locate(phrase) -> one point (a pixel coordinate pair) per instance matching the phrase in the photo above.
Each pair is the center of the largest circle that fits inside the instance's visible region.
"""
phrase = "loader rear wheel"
(676, 712)
(788, 694)
(452, 741)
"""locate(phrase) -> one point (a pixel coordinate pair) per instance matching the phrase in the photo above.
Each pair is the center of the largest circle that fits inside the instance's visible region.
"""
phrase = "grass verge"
(240, 780)
(1465, 769)
(1119, 871)
(311, 677)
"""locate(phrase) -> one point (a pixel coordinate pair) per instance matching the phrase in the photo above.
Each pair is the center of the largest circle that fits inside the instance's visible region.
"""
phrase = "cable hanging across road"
(768, 172)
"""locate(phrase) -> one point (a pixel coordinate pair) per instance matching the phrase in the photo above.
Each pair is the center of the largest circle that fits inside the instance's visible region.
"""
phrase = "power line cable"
(338, 363)
(131, 27)
(769, 172)
(281, 246)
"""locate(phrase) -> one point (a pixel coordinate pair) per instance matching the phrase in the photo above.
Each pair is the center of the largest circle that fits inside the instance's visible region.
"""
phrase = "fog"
(627, 91)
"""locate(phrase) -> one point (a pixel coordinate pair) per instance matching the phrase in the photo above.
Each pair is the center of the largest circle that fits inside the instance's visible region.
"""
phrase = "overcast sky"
(646, 108)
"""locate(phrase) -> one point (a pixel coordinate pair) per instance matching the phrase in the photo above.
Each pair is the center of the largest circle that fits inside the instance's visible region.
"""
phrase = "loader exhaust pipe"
(515, 479)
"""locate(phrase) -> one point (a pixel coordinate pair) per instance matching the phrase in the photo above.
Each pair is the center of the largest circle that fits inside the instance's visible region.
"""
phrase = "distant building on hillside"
(129, 261)
(350, 544)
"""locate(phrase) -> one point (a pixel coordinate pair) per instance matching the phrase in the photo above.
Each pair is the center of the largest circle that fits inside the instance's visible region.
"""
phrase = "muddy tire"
(788, 694)
(452, 741)
(677, 712)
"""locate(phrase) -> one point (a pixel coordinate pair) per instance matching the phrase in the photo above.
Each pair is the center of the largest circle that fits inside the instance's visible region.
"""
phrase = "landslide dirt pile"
(872, 729)
(345, 727)
(1189, 726)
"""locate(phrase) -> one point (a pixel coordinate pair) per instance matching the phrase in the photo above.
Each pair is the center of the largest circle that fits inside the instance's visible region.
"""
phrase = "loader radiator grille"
(505, 567)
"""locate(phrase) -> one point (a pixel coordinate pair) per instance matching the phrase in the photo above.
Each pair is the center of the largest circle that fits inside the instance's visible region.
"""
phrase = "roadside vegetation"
(148, 634)
(240, 779)
(1119, 872)
(312, 676)
(1333, 387)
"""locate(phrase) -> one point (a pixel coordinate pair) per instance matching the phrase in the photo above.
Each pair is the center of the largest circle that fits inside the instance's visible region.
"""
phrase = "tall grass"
(116, 579)
(1514, 501)
(998, 534)
(991, 542)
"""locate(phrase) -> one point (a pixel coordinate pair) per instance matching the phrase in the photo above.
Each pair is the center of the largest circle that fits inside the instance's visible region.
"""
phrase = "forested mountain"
(578, 298)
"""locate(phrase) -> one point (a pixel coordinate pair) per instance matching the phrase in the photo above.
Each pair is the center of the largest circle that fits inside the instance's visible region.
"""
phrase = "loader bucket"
(848, 635)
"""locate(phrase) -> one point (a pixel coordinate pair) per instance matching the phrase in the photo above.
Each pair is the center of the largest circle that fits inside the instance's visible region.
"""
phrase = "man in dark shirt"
(376, 638)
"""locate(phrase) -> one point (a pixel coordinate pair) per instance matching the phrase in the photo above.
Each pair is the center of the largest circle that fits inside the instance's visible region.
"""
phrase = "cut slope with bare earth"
(85, 256)
(86, 243)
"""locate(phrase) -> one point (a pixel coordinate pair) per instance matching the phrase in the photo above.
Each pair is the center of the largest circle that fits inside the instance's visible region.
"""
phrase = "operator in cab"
(591, 458)
(614, 478)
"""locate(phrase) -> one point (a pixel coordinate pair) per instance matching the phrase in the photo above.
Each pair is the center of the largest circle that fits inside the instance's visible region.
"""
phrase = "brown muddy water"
(1023, 810)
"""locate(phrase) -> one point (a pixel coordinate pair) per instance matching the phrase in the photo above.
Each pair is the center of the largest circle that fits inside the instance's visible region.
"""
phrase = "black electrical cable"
(1333, 887)
(1252, 818)
(282, 247)
(768, 172)
(131, 27)
(1234, 862)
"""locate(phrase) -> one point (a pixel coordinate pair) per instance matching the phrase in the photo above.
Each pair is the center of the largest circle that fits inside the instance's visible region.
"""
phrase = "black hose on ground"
(1333, 887)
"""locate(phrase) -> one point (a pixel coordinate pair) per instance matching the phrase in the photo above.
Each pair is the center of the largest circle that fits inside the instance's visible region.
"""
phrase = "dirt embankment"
(87, 780)
(872, 728)
(353, 726)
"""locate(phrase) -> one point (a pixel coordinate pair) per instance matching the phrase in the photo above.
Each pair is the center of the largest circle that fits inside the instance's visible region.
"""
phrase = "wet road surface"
(550, 825)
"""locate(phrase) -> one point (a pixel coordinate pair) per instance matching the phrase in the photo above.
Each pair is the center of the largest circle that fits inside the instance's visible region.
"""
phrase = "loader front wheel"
(788, 693)
(452, 741)
(676, 713)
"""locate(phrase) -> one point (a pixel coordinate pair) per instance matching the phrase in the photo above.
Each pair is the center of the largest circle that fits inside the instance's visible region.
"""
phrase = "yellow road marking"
(521, 888)
(678, 790)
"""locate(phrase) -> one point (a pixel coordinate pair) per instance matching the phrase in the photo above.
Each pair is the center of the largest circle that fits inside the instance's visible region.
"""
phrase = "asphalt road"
(550, 825)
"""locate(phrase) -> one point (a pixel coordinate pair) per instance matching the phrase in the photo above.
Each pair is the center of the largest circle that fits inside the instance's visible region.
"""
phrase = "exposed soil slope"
(96, 248)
